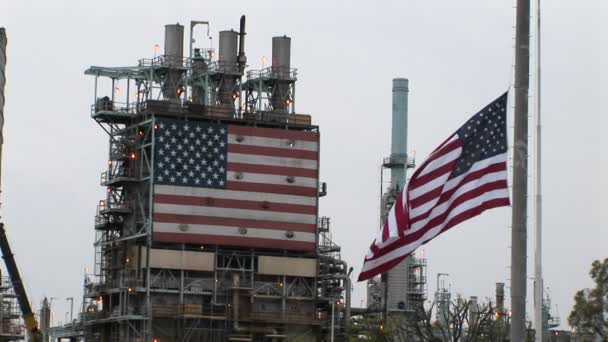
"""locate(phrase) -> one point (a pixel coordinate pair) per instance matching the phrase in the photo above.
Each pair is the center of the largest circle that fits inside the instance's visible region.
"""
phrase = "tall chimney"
(174, 54)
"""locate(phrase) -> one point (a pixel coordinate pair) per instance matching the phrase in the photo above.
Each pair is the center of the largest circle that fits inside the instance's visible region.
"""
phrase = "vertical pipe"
(3, 42)
(520, 173)
(538, 253)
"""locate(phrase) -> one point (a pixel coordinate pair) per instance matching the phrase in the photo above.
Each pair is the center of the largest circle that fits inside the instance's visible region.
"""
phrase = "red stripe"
(233, 222)
(234, 241)
(495, 203)
(439, 219)
(235, 204)
(401, 217)
(273, 133)
(273, 188)
(381, 268)
(435, 155)
(432, 175)
(272, 170)
(273, 151)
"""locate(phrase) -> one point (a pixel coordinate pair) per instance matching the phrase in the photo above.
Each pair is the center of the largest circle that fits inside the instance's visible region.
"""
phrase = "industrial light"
(109, 162)
(117, 90)
(288, 101)
(179, 90)
(156, 127)
(109, 190)
(235, 96)
(133, 156)
(156, 47)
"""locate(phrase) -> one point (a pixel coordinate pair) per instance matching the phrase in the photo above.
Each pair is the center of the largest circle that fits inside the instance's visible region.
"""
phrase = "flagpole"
(538, 253)
(520, 173)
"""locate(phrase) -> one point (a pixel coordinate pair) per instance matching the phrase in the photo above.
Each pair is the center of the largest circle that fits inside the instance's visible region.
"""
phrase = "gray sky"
(457, 54)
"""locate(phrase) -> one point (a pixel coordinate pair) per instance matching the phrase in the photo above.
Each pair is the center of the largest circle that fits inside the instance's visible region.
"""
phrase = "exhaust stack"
(174, 55)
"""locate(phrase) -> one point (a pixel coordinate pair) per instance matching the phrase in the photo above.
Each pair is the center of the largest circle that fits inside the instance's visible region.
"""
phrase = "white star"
(204, 162)
(216, 137)
(161, 139)
(216, 150)
(185, 154)
(166, 172)
(209, 169)
(209, 142)
(209, 181)
(179, 174)
(198, 128)
(221, 157)
(161, 165)
(210, 130)
(216, 176)
(186, 141)
(186, 167)
(172, 166)
(191, 161)
(191, 174)
(204, 149)
(168, 133)
(173, 153)
(167, 159)
(191, 147)
(173, 127)
(204, 136)
(197, 141)
(222, 130)
(173, 140)
(180, 146)
(221, 183)
(186, 127)
(160, 178)
(191, 135)
(172, 179)
(222, 144)
(222, 169)
(184, 180)
(216, 163)
(161, 152)
(197, 180)
(162, 125)
(179, 159)
(197, 168)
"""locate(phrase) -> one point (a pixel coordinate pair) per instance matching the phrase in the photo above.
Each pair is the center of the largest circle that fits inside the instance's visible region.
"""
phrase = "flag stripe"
(272, 142)
(223, 240)
(233, 231)
(273, 133)
(235, 204)
(272, 179)
(272, 170)
(272, 161)
(234, 213)
(273, 188)
(231, 194)
(273, 151)
(236, 222)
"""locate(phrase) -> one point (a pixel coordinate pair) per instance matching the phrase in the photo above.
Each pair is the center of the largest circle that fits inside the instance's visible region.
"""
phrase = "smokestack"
(242, 59)
(399, 133)
(281, 64)
(174, 54)
(500, 297)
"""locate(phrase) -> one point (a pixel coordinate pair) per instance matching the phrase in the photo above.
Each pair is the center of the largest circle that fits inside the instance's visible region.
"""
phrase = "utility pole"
(520, 173)
(539, 316)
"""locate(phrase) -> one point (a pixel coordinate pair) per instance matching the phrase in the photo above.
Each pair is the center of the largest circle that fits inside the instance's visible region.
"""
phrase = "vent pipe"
(281, 64)
(242, 59)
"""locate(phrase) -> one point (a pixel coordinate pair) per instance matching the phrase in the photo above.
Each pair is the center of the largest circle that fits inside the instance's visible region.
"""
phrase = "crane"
(26, 310)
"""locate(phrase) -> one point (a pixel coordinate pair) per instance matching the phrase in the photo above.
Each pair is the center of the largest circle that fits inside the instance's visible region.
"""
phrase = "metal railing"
(273, 72)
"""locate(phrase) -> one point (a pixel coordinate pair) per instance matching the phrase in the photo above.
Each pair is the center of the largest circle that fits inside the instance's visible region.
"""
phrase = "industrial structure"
(209, 230)
(403, 288)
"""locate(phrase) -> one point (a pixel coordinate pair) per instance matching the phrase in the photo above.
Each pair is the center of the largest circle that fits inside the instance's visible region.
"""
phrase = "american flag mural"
(235, 185)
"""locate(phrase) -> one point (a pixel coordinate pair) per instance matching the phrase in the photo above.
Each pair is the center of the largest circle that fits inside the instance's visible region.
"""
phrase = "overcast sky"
(457, 55)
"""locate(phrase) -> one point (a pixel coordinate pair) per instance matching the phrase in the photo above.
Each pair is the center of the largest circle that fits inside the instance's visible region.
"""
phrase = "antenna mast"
(538, 253)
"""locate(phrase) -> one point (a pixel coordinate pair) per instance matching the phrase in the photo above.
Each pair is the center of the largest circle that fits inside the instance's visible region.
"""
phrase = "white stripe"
(273, 142)
(233, 232)
(180, 209)
(423, 189)
(443, 207)
(431, 233)
(234, 176)
(441, 161)
(272, 161)
(234, 194)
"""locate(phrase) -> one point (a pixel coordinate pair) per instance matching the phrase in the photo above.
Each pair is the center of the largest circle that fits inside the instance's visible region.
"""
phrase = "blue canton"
(483, 136)
(192, 154)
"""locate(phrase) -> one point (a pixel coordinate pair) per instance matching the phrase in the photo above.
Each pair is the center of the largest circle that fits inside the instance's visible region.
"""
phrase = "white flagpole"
(538, 253)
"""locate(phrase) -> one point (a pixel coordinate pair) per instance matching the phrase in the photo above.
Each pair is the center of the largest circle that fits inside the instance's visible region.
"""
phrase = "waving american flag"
(464, 176)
